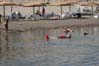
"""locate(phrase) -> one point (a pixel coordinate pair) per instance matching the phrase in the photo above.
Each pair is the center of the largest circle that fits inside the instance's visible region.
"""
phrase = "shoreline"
(26, 25)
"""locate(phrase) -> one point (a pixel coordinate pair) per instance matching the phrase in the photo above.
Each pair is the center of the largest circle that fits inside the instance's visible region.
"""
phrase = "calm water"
(28, 48)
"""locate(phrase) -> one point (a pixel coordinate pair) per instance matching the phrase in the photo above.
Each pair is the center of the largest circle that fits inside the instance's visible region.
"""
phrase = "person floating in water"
(6, 25)
(67, 33)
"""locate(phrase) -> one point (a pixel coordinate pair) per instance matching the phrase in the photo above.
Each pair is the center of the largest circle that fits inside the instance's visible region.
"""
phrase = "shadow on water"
(4, 41)
(7, 41)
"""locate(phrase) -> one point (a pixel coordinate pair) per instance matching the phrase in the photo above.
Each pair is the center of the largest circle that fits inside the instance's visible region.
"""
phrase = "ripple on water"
(27, 49)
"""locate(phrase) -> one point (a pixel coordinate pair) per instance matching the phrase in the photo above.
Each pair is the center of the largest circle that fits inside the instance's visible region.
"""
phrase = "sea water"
(29, 48)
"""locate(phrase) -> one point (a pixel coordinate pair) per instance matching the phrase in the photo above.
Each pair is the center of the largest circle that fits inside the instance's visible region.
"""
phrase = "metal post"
(11, 7)
(61, 10)
(4, 12)
(33, 10)
(70, 8)
(92, 7)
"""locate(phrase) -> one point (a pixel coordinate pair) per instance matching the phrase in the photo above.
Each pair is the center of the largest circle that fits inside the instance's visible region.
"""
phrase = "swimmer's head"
(85, 33)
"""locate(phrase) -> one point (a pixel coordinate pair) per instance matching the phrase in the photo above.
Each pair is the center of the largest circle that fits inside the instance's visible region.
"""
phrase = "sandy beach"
(26, 25)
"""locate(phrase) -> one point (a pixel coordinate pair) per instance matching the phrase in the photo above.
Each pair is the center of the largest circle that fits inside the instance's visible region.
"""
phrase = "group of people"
(16, 15)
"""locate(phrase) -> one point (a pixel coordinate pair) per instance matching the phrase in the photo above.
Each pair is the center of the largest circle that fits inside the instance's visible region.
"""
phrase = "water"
(28, 48)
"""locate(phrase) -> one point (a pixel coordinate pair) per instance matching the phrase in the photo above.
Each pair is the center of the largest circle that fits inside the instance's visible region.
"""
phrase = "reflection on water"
(28, 48)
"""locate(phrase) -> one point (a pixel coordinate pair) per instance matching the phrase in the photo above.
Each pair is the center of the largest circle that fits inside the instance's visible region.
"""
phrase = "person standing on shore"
(43, 11)
(6, 24)
(0, 18)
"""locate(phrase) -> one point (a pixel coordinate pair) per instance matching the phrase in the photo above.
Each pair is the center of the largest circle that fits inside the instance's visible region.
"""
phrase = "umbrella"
(97, 3)
(57, 4)
(68, 3)
(88, 3)
(34, 4)
(5, 3)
